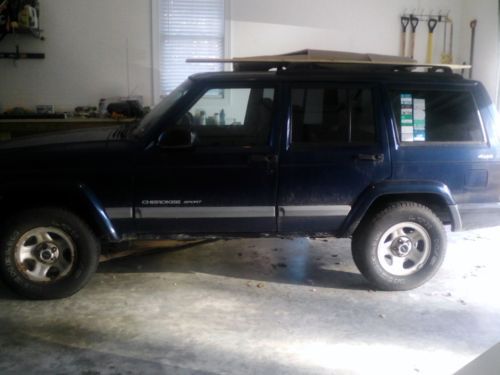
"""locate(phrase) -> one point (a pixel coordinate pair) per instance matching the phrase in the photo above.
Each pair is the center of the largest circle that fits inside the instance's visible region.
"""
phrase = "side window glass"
(436, 116)
(332, 116)
(231, 117)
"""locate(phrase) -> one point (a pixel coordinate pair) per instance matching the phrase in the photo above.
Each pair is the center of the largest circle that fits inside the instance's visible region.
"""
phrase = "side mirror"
(176, 139)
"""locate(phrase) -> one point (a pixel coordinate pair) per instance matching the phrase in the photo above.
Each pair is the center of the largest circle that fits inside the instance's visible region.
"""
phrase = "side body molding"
(399, 187)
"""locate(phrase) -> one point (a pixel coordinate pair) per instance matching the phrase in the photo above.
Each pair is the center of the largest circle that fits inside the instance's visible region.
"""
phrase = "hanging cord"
(498, 60)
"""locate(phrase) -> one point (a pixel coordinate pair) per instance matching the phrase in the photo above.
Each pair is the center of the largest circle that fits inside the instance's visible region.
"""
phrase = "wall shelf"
(18, 55)
(26, 23)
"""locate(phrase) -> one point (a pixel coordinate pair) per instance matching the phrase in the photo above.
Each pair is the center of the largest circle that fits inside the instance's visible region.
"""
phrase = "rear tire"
(400, 247)
(47, 253)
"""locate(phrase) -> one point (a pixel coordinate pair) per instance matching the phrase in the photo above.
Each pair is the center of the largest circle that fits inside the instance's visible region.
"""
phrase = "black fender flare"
(400, 188)
(15, 196)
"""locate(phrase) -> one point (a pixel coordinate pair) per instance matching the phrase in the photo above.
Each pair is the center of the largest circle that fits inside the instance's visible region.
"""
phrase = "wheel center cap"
(48, 252)
(402, 246)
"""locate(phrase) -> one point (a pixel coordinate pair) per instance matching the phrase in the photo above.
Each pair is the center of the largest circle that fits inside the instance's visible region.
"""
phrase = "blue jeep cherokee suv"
(381, 154)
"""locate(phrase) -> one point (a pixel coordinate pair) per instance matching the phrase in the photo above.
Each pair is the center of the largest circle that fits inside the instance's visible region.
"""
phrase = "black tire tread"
(61, 217)
(363, 239)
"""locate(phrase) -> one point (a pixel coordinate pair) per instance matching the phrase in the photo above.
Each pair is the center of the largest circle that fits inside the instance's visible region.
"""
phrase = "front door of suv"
(335, 149)
(225, 182)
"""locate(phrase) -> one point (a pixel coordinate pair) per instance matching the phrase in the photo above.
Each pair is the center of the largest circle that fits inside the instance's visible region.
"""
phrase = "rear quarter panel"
(470, 170)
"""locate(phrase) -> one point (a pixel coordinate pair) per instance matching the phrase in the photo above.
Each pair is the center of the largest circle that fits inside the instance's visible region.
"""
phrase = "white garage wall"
(263, 26)
(86, 54)
(87, 42)
(487, 43)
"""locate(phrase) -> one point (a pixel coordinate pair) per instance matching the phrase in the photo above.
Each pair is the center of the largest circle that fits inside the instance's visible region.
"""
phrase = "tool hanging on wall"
(414, 24)
(473, 26)
(20, 17)
(432, 23)
(17, 55)
(405, 21)
(413, 19)
(447, 55)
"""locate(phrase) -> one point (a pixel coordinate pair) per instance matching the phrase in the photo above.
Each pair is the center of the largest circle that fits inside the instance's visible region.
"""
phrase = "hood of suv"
(67, 150)
(64, 138)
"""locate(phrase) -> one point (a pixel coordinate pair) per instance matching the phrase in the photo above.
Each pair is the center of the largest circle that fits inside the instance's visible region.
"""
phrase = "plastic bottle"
(102, 108)
(222, 117)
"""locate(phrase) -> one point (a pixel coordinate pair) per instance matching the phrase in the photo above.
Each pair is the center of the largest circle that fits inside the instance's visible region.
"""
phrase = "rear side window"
(436, 116)
(332, 116)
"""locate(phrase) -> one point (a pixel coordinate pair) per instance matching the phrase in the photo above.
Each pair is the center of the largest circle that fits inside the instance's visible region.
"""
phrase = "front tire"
(47, 253)
(401, 247)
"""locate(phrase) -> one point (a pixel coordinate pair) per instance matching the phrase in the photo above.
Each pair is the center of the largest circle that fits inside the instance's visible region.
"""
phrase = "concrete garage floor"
(263, 306)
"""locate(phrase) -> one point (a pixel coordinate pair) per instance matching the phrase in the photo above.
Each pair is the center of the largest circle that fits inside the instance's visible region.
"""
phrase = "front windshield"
(162, 108)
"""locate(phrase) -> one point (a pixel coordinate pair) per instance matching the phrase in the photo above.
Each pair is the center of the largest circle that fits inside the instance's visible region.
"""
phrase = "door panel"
(225, 182)
(335, 149)
(453, 149)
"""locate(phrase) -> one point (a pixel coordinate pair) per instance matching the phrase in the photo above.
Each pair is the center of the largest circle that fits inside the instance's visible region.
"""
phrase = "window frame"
(373, 87)
(413, 88)
(156, 43)
(202, 90)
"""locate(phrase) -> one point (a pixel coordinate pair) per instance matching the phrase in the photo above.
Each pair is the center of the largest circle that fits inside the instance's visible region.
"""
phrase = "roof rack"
(290, 62)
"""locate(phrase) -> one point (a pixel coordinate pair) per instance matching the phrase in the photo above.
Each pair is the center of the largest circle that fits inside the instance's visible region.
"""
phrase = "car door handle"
(258, 158)
(370, 157)
(271, 161)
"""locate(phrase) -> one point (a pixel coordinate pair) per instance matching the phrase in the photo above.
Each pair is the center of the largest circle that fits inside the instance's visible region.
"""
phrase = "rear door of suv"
(335, 147)
(441, 135)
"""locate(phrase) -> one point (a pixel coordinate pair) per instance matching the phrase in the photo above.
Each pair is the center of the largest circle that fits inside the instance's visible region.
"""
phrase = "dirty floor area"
(260, 306)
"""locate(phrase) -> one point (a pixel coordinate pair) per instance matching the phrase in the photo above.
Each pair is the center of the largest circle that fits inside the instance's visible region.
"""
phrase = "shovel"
(432, 23)
(405, 21)
(473, 26)
(447, 55)
(414, 24)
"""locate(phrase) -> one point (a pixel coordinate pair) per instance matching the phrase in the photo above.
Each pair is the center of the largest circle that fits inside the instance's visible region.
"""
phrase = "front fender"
(398, 188)
(78, 197)
(102, 217)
